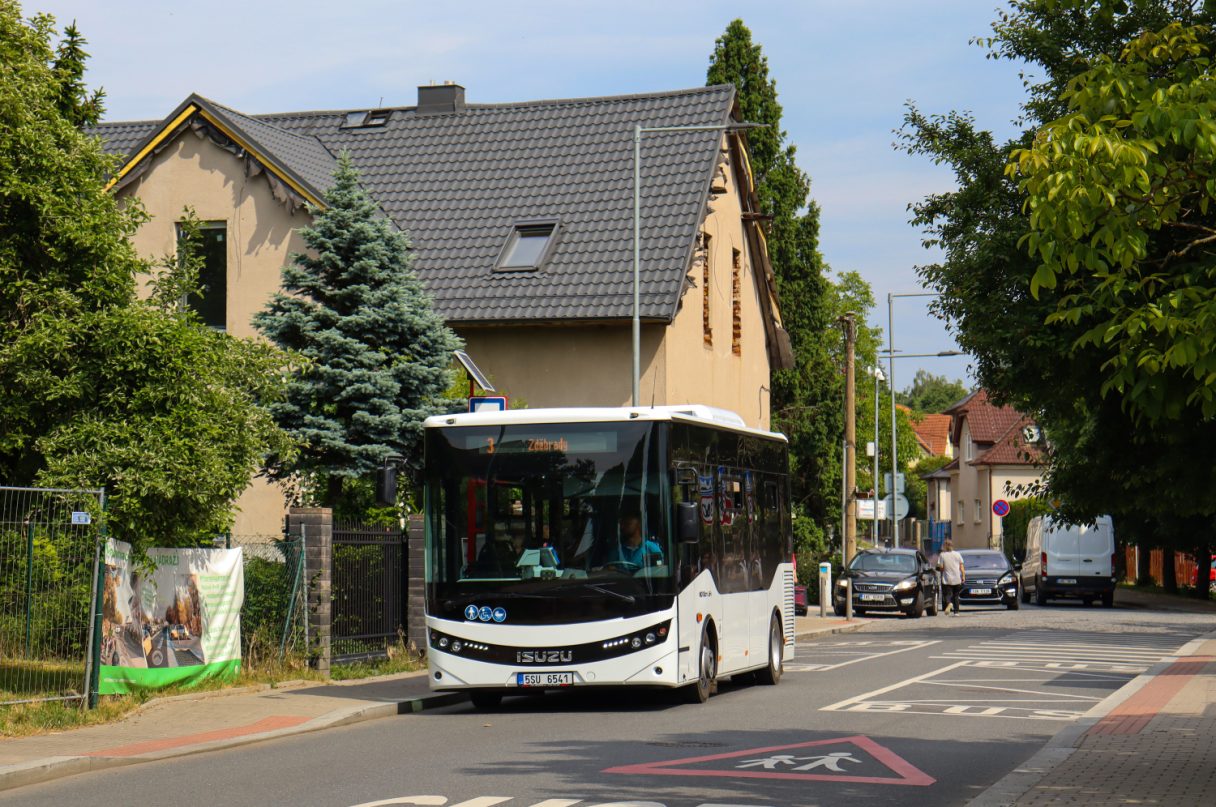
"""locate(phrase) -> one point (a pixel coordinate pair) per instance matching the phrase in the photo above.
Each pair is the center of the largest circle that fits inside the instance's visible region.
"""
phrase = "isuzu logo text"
(544, 656)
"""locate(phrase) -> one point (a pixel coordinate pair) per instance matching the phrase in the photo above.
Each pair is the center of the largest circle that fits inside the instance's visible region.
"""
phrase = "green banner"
(175, 620)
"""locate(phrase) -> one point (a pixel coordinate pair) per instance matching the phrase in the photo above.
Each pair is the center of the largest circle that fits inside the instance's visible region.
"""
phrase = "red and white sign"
(855, 759)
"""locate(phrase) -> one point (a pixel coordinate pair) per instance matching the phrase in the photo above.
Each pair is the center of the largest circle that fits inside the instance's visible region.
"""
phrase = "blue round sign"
(485, 613)
(470, 612)
(1000, 508)
(500, 614)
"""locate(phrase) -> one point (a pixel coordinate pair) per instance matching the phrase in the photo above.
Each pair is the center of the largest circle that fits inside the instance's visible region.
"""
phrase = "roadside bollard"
(825, 587)
(848, 599)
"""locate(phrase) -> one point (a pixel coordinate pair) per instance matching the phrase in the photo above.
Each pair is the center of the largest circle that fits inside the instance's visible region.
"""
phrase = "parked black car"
(990, 579)
(889, 580)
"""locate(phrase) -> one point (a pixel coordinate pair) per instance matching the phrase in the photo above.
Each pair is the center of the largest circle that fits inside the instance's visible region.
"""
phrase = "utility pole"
(850, 439)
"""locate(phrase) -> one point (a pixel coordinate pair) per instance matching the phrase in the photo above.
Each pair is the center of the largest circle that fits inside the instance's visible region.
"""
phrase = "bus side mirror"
(689, 522)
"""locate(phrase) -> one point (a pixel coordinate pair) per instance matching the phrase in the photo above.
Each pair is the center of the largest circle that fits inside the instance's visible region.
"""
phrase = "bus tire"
(486, 700)
(707, 669)
(771, 674)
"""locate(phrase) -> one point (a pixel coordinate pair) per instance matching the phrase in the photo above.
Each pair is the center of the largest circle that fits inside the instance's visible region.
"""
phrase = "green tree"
(929, 393)
(98, 388)
(1050, 366)
(807, 400)
(376, 354)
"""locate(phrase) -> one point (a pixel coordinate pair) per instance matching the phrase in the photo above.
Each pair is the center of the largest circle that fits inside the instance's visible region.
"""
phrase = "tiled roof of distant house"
(933, 432)
(1011, 448)
(986, 421)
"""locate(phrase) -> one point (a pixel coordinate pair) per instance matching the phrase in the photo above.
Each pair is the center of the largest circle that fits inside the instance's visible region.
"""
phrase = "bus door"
(734, 580)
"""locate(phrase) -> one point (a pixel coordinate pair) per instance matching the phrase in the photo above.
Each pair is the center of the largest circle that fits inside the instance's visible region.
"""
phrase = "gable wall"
(260, 236)
(697, 372)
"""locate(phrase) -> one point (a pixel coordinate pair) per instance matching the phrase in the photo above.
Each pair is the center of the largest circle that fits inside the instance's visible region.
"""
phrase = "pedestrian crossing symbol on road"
(838, 759)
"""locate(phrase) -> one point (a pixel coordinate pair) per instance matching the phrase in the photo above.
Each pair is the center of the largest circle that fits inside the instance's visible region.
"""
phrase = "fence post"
(415, 608)
(317, 524)
(29, 584)
(93, 667)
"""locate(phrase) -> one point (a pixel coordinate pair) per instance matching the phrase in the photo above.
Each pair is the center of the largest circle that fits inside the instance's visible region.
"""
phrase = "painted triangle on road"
(775, 762)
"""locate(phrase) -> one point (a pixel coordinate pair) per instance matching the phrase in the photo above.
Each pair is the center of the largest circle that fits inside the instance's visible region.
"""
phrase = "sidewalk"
(1152, 742)
(190, 724)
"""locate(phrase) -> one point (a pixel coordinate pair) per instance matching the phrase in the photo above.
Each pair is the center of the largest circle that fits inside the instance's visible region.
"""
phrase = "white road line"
(824, 668)
(840, 705)
(1013, 689)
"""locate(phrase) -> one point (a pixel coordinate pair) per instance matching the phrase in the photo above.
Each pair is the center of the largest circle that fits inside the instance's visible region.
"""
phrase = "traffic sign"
(901, 505)
(899, 482)
(865, 509)
(1000, 508)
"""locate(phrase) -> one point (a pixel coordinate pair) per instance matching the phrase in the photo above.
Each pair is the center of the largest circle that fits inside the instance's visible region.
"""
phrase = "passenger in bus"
(632, 549)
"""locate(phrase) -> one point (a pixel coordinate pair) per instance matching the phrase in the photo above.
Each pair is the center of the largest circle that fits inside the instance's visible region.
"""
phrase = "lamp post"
(890, 355)
(638, 131)
(876, 371)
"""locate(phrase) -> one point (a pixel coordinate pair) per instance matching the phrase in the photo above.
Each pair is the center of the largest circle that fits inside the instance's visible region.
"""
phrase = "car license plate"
(873, 597)
(562, 679)
(1067, 580)
(978, 591)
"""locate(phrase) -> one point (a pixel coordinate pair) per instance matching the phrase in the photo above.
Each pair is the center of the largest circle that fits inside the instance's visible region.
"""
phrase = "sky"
(844, 70)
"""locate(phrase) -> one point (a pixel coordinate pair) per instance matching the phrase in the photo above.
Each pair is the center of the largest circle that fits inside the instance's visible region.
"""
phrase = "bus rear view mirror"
(689, 526)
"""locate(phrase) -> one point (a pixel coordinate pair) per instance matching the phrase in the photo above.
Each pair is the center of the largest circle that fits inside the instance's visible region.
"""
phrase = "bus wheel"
(707, 671)
(776, 655)
(486, 699)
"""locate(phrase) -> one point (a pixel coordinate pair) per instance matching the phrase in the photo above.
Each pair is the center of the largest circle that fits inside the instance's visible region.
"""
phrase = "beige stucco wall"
(697, 372)
(569, 366)
(260, 236)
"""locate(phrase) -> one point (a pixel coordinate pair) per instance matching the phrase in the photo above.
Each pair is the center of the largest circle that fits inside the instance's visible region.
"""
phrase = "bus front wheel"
(707, 670)
(776, 654)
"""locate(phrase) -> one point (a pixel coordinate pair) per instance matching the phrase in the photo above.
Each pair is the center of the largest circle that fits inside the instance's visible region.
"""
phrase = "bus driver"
(633, 550)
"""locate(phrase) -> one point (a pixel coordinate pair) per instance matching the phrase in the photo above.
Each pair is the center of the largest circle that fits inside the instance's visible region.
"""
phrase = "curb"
(848, 627)
(52, 768)
(1014, 785)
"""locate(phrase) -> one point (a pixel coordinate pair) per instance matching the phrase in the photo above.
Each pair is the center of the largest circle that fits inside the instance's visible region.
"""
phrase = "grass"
(25, 719)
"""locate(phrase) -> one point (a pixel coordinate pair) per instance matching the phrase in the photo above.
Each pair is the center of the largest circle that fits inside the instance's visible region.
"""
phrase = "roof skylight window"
(361, 119)
(526, 247)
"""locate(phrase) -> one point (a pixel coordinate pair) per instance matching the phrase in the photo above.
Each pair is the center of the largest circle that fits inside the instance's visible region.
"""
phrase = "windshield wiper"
(602, 590)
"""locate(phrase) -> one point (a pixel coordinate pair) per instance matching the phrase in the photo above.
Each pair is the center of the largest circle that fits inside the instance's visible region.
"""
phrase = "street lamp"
(890, 354)
(638, 131)
(876, 371)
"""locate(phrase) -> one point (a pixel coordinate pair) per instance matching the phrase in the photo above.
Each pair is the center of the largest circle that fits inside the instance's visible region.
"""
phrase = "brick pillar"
(316, 526)
(415, 628)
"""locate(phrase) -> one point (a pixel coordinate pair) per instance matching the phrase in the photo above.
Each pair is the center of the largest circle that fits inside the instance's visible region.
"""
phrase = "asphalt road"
(908, 712)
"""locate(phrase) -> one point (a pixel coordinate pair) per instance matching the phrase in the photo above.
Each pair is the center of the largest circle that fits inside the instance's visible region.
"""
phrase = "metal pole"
(848, 599)
(891, 381)
(93, 669)
(850, 439)
(637, 263)
(874, 521)
(29, 584)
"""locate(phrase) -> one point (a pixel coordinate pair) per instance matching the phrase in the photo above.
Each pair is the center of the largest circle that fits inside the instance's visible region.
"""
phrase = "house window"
(706, 275)
(211, 303)
(978, 511)
(527, 247)
(736, 302)
(961, 512)
(363, 118)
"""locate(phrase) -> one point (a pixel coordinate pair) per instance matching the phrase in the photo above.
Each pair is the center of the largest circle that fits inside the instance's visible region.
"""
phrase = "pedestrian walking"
(950, 564)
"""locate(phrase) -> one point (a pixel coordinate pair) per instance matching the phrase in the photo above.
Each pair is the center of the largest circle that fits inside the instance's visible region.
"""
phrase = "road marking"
(766, 763)
(904, 647)
(840, 706)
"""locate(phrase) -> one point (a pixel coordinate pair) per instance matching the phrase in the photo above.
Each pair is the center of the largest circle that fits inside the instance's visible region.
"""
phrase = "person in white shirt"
(950, 564)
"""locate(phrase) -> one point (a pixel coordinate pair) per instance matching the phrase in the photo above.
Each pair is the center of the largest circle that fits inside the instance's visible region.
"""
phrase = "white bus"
(605, 547)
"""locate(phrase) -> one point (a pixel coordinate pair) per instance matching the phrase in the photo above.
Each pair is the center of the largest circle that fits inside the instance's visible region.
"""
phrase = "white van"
(1069, 561)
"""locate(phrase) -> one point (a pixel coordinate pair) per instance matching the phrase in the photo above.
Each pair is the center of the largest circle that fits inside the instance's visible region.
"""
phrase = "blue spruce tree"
(376, 356)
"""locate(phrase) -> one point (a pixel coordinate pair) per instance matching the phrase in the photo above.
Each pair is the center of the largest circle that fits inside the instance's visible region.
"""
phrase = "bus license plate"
(873, 597)
(1070, 581)
(978, 591)
(562, 679)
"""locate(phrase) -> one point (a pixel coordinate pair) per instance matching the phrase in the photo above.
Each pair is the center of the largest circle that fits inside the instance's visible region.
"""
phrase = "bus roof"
(688, 413)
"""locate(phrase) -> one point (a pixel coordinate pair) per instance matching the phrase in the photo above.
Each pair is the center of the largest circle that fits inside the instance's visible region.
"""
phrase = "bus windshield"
(559, 522)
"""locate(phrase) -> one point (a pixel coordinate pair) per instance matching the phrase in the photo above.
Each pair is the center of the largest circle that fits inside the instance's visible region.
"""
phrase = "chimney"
(440, 99)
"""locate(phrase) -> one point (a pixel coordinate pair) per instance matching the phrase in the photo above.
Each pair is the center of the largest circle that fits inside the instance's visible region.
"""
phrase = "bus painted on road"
(605, 547)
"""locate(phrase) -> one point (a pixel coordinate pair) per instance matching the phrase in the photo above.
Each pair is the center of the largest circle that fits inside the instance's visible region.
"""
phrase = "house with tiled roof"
(997, 454)
(521, 221)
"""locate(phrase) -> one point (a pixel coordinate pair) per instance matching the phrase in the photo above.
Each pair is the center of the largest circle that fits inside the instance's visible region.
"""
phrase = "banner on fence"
(176, 620)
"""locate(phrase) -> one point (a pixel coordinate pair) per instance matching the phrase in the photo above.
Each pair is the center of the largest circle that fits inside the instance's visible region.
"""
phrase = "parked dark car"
(891, 580)
(990, 579)
(800, 600)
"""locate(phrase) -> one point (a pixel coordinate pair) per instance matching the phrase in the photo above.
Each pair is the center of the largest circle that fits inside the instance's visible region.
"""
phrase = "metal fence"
(369, 591)
(49, 543)
(274, 624)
